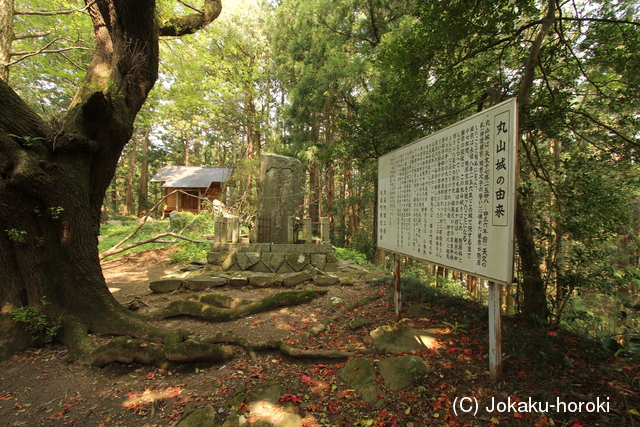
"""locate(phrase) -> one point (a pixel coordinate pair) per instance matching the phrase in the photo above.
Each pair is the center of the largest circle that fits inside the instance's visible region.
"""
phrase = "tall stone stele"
(279, 197)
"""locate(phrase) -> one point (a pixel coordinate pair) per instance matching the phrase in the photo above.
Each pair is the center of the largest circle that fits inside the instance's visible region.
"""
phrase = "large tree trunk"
(7, 36)
(534, 302)
(53, 181)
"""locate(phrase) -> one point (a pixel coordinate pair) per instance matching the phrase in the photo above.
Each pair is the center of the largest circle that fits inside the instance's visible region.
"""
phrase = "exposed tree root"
(221, 308)
(178, 347)
(253, 346)
(128, 350)
(322, 326)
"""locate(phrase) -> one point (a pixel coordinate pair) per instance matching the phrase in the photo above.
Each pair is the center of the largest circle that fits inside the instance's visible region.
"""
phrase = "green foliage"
(54, 212)
(190, 223)
(17, 236)
(48, 80)
(26, 141)
(36, 322)
(190, 251)
(353, 256)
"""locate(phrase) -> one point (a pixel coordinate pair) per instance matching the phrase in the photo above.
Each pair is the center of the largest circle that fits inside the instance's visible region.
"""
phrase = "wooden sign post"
(495, 332)
(397, 286)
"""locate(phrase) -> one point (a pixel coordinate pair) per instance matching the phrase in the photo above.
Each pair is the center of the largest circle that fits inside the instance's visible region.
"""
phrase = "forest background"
(337, 84)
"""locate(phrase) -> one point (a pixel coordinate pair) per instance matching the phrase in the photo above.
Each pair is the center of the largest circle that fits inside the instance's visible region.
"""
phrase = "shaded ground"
(38, 388)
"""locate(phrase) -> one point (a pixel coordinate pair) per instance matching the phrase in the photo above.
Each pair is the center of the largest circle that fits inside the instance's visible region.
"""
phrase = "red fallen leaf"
(577, 423)
(144, 345)
(356, 368)
(313, 407)
(552, 334)
(437, 405)
(518, 415)
(7, 396)
(468, 351)
(333, 407)
(57, 415)
(150, 376)
(452, 350)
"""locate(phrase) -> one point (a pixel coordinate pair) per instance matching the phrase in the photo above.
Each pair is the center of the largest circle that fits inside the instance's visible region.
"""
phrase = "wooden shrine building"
(192, 186)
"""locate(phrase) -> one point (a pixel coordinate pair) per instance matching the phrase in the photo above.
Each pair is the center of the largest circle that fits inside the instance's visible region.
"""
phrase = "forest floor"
(542, 366)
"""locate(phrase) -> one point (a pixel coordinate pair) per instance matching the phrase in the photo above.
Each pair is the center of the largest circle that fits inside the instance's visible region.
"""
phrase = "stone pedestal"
(271, 258)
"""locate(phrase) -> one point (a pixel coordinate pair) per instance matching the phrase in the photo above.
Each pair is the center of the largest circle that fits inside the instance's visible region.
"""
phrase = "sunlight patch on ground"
(273, 414)
(139, 401)
(427, 341)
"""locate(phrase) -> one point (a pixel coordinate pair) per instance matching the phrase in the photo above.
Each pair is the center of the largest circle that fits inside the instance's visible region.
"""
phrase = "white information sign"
(449, 198)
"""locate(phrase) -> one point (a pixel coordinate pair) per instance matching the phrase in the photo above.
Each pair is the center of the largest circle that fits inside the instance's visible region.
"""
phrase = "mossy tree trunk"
(53, 180)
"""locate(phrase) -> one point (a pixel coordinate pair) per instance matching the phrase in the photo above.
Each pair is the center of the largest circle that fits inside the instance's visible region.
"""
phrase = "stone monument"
(280, 195)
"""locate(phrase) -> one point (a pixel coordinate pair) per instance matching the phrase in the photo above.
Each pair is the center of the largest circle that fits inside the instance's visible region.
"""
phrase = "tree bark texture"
(53, 181)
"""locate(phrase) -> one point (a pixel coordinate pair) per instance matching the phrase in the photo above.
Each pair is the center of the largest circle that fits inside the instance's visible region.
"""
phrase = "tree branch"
(189, 24)
(25, 55)
(153, 239)
(52, 12)
(189, 6)
(605, 126)
(604, 20)
(530, 64)
(16, 117)
(31, 35)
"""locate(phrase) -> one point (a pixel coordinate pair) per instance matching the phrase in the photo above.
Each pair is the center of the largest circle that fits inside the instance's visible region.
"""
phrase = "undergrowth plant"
(354, 257)
(36, 322)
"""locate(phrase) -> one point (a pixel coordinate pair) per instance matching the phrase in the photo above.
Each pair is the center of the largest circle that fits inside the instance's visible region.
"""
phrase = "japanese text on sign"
(449, 198)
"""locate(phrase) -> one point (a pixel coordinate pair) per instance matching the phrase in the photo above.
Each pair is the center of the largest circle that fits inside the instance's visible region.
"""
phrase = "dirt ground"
(39, 388)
